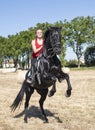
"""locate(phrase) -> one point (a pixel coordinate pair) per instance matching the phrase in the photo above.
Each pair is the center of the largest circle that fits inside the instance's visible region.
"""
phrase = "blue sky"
(19, 15)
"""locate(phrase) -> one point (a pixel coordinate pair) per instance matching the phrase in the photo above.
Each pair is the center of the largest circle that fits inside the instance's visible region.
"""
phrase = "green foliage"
(89, 56)
(80, 30)
(75, 34)
(82, 68)
(3, 49)
(71, 63)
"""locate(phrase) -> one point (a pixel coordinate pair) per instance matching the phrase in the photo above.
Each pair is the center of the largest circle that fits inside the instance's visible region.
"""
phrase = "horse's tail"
(19, 98)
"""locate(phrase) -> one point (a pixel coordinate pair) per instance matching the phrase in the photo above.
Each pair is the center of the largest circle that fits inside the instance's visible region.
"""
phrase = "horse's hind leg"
(29, 92)
(43, 93)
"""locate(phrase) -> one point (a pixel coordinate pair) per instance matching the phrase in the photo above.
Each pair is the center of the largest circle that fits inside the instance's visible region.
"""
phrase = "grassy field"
(83, 68)
(74, 113)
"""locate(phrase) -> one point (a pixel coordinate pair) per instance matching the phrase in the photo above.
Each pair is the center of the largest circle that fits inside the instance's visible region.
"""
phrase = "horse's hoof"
(60, 80)
(68, 93)
(51, 93)
(25, 120)
(46, 121)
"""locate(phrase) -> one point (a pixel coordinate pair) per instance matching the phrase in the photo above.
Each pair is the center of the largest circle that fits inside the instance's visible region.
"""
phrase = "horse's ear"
(48, 28)
(46, 32)
(60, 28)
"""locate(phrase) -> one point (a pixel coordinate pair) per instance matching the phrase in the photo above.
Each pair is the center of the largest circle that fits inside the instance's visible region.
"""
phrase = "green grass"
(83, 68)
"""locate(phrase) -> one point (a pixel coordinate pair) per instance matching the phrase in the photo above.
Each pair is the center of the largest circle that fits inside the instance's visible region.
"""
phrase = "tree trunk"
(15, 63)
(78, 62)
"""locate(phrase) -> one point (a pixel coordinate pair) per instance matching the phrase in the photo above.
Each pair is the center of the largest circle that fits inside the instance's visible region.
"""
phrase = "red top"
(35, 55)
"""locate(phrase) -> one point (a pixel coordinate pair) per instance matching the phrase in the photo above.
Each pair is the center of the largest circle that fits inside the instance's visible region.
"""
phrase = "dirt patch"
(74, 113)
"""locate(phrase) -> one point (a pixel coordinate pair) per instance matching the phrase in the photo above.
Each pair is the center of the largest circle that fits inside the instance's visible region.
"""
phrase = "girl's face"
(39, 33)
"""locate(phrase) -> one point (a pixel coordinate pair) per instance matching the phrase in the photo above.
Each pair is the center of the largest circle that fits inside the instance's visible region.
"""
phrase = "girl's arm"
(35, 50)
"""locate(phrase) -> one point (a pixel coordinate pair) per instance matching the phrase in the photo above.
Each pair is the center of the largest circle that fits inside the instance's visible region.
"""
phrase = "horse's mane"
(46, 34)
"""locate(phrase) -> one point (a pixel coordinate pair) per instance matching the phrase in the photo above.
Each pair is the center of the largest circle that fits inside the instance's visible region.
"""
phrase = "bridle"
(52, 42)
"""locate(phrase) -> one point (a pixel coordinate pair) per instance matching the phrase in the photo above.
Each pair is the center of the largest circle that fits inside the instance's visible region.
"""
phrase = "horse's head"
(53, 39)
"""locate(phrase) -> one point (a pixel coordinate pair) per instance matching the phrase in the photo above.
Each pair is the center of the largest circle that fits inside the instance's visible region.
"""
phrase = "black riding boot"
(38, 78)
(29, 77)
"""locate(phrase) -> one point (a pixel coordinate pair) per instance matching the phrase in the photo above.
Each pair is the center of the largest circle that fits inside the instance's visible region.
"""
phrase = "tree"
(3, 49)
(91, 36)
(14, 47)
(89, 56)
(19, 46)
(43, 26)
(75, 34)
(25, 40)
(80, 33)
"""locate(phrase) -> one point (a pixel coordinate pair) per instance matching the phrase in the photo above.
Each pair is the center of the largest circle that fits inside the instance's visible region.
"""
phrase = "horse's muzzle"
(57, 48)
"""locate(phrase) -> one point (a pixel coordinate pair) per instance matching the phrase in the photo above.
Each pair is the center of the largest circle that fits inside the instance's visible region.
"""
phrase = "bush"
(72, 63)
(89, 56)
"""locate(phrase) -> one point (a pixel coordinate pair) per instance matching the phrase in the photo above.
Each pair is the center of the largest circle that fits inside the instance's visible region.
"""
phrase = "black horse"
(50, 71)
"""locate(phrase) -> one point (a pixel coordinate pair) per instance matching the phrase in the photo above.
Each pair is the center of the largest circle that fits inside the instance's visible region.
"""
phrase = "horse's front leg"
(68, 92)
(69, 88)
(53, 90)
(50, 78)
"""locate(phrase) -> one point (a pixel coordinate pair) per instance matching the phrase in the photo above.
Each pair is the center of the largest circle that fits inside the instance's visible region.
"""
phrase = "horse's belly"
(43, 85)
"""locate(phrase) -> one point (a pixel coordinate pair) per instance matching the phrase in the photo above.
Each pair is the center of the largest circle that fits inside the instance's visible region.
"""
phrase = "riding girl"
(37, 47)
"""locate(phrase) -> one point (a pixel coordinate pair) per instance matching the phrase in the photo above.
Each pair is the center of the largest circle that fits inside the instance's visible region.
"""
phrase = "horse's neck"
(51, 59)
(47, 51)
(55, 61)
